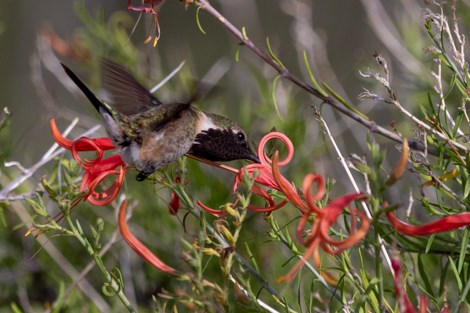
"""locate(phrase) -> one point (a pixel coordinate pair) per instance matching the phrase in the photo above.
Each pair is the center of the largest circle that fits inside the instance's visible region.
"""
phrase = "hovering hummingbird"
(151, 134)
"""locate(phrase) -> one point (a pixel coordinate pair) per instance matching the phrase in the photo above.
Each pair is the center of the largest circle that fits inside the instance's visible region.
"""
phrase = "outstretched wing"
(128, 96)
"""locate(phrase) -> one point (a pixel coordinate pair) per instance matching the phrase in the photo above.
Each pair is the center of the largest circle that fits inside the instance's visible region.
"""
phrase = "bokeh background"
(340, 38)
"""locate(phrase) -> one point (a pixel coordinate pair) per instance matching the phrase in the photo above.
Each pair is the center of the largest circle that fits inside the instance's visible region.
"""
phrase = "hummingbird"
(150, 134)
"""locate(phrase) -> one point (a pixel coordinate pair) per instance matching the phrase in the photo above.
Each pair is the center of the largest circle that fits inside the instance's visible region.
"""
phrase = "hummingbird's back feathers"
(128, 96)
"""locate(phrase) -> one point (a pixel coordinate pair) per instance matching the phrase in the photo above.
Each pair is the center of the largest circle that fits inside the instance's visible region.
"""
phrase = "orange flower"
(265, 177)
(444, 224)
(324, 219)
(96, 169)
(138, 246)
(270, 176)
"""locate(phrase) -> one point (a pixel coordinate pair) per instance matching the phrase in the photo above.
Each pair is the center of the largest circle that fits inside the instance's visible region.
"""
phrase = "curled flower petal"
(272, 206)
(86, 162)
(57, 135)
(400, 167)
(97, 169)
(81, 144)
(333, 210)
(355, 235)
(275, 135)
(441, 225)
(96, 174)
(98, 145)
(289, 191)
(138, 246)
(264, 177)
(309, 197)
(216, 213)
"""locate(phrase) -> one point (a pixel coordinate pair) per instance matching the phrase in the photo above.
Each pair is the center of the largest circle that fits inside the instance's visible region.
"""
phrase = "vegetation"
(369, 214)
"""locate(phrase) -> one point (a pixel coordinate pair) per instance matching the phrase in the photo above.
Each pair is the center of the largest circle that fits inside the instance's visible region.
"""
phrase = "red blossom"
(96, 169)
(138, 246)
(403, 301)
(265, 177)
(324, 218)
(444, 224)
(175, 201)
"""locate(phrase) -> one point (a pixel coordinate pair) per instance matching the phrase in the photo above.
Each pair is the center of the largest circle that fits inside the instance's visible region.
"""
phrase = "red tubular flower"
(270, 176)
(138, 246)
(441, 225)
(265, 177)
(97, 169)
(324, 219)
(403, 301)
(175, 202)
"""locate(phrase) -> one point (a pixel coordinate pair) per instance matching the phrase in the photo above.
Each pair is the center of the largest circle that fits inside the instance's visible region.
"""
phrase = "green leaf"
(463, 249)
(198, 22)
(273, 55)
(343, 101)
(312, 78)
(273, 96)
(424, 276)
(456, 274)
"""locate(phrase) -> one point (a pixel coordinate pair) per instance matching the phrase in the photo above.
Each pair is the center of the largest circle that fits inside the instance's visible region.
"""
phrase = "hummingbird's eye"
(241, 136)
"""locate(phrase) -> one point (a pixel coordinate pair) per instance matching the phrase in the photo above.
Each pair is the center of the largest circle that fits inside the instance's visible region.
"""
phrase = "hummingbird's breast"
(156, 147)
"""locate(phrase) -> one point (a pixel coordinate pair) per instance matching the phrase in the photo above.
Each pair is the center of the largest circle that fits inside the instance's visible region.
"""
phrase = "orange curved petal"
(97, 173)
(441, 225)
(355, 236)
(275, 135)
(268, 209)
(57, 135)
(289, 191)
(107, 196)
(303, 260)
(307, 186)
(216, 213)
(138, 246)
(90, 146)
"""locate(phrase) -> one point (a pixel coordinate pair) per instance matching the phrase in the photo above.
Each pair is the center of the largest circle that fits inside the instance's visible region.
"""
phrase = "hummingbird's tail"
(97, 103)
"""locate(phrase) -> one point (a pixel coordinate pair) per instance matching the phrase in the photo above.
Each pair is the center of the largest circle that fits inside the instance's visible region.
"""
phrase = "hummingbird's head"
(221, 139)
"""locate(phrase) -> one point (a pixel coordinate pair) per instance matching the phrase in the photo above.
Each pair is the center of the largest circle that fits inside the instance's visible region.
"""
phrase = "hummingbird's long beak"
(253, 157)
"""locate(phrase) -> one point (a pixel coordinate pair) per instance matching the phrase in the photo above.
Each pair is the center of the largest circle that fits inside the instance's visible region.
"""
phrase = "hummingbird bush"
(370, 214)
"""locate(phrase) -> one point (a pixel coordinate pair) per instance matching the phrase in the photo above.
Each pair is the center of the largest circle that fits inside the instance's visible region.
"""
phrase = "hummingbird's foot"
(143, 174)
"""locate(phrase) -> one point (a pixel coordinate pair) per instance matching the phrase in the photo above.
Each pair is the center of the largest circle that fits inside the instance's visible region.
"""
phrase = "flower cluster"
(324, 218)
(96, 169)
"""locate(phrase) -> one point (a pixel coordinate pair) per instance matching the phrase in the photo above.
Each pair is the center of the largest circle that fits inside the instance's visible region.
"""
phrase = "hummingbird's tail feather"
(97, 103)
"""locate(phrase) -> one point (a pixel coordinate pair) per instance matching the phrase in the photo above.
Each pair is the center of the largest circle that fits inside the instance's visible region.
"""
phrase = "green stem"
(379, 271)
(195, 212)
(110, 279)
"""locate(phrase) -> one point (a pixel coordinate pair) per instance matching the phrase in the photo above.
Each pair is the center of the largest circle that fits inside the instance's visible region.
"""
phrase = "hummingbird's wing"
(128, 96)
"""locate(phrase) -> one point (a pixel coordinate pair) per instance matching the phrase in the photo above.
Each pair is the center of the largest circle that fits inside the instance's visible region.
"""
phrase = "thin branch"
(48, 156)
(284, 72)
